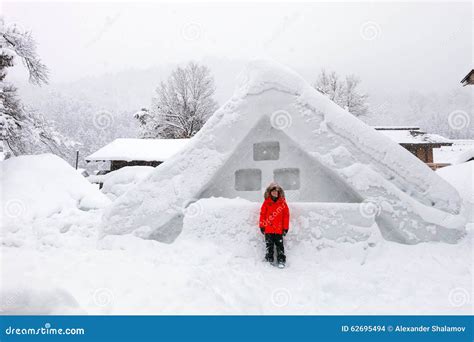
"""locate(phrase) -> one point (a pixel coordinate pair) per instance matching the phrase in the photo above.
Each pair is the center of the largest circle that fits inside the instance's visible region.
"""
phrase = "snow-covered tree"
(344, 91)
(448, 114)
(329, 84)
(24, 130)
(82, 119)
(147, 122)
(181, 105)
(15, 43)
(354, 101)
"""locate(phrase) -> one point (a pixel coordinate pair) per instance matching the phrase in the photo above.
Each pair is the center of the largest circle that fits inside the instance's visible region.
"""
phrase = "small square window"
(267, 150)
(248, 180)
(288, 178)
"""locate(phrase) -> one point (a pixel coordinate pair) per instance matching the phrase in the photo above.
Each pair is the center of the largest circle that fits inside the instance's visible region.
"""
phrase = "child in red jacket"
(274, 222)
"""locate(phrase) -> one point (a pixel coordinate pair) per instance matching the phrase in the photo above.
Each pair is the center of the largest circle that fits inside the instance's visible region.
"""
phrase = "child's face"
(274, 193)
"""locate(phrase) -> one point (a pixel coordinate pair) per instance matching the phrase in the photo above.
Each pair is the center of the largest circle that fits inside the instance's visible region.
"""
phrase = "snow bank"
(116, 183)
(413, 203)
(465, 156)
(461, 176)
(35, 300)
(35, 187)
(210, 274)
(223, 220)
(460, 151)
(216, 267)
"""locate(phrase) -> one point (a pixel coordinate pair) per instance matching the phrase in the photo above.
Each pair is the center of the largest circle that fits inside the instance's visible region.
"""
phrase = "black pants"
(274, 240)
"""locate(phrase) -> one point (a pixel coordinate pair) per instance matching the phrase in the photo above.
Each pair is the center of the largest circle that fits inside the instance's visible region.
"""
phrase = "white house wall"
(316, 182)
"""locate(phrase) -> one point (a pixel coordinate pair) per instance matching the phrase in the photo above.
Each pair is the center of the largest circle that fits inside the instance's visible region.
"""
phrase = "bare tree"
(181, 105)
(344, 92)
(446, 113)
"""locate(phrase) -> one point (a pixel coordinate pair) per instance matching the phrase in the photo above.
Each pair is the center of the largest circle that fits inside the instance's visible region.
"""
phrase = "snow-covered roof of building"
(412, 203)
(468, 79)
(413, 136)
(397, 128)
(139, 149)
(460, 151)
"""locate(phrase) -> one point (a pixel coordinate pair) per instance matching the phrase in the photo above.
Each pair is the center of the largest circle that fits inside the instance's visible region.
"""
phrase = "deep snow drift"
(278, 126)
(118, 182)
(58, 262)
(222, 272)
(37, 186)
(49, 178)
(215, 266)
(461, 176)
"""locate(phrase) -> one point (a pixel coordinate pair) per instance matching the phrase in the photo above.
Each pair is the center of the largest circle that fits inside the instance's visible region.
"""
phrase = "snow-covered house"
(133, 152)
(468, 79)
(420, 143)
(278, 127)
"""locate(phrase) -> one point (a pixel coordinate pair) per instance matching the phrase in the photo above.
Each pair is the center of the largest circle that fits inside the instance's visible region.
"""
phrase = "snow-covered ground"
(55, 259)
(226, 275)
(461, 176)
(61, 266)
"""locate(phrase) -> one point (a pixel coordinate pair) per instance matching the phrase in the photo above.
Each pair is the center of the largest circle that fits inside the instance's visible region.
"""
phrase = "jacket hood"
(281, 192)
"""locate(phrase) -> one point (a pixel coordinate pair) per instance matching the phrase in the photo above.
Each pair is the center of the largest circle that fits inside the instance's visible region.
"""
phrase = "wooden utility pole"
(77, 158)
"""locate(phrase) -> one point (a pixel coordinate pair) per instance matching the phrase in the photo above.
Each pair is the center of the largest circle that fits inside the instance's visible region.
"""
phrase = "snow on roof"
(406, 136)
(412, 203)
(461, 151)
(138, 149)
(397, 128)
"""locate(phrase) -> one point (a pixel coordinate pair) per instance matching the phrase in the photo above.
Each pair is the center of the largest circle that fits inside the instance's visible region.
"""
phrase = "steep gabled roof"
(468, 78)
(413, 203)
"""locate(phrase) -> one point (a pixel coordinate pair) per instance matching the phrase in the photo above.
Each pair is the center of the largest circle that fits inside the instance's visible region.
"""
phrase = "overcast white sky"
(390, 45)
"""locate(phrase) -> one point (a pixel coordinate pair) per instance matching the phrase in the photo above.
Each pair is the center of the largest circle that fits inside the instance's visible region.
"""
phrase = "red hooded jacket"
(274, 216)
